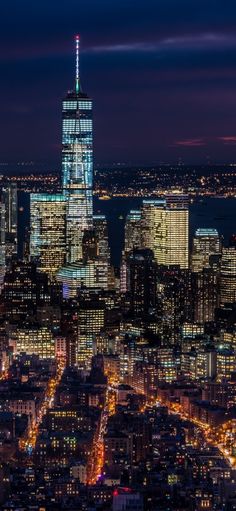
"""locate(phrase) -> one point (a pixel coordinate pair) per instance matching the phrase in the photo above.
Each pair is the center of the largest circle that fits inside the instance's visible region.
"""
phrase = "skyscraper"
(100, 226)
(91, 318)
(48, 224)
(165, 229)
(228, 275)
(132, 231)
(153, 225)
(2, 243)
(205, 288)
(9, 199)
(59, 222)
(77, 164)
(206, 242)
(142, 281)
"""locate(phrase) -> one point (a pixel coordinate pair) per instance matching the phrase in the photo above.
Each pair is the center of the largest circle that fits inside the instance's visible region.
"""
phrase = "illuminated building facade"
(91, 319)
(167, 367)
(48, 224)
(9, 199)
(165, 230)
(228, 275)
(133, 240)
(154, 232)
(2, 243)
(226, 363)
(145, 379)
(205, 287)
(77, 165)
(175, 303)
(33, 341)
(93, 274)
(206, 242)
(101, 230)
(132, 231)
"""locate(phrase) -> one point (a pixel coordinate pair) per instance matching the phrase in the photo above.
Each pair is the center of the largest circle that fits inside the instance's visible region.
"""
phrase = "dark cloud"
(162, 74)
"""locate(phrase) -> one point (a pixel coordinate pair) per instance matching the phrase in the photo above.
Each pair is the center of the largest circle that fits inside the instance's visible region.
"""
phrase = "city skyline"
(182, 57)
(118, 283)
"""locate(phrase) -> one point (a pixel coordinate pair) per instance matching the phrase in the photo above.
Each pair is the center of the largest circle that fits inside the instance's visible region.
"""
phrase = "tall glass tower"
(77, 164)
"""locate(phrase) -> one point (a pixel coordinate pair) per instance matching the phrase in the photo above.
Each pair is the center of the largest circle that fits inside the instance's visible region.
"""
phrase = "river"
(208, 212)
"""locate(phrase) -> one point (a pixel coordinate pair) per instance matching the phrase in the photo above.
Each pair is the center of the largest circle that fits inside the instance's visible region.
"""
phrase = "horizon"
(180, 57)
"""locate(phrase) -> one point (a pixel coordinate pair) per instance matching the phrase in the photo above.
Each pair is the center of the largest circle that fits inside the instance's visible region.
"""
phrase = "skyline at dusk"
(167, 67)
(118, 255)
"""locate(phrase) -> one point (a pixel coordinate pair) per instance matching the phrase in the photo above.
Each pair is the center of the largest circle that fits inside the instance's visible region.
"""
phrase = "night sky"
(162, 74)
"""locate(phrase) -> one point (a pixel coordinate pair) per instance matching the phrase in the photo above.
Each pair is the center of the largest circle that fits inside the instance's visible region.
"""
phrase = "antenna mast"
(77, 82)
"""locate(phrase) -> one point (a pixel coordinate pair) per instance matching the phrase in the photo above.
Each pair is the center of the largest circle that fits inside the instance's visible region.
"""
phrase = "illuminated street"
(223, 437)
(28, 443)
(96, 462)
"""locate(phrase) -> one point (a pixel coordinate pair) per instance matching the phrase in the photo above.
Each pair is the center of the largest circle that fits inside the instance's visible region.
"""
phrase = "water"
(217, 213)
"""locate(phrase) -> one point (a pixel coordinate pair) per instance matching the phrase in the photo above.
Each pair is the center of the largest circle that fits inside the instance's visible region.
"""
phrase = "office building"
(2, 243)
(226, 363)
(205, 288)
(228, 275)
(77, 164)
(199, 364)
(92, 274)
(91, 319)
(132, 240)
(206, 242)
(175, 300)
(47, 238)
(9, 199)
(132, 231)
(165, 230)
(167, 366)
(101, 230)
(33, 340)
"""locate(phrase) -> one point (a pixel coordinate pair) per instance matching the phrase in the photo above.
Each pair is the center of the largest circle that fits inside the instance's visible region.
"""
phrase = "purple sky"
(162, 74)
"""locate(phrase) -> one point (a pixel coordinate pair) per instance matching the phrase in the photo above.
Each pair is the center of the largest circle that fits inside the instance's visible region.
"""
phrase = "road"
(28, 444)
(223, 437)
(96, 460)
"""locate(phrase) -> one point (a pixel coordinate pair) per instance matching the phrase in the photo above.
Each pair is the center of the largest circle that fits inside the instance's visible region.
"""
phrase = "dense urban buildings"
(117, 384)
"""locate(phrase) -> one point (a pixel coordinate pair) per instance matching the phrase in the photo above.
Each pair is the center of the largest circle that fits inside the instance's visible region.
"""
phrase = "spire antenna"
(77, 80)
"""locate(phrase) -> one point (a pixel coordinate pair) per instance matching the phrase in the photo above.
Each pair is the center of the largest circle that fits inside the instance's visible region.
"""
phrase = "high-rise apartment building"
(165, 229)
(48, 225)
(206, 242)
(77, 164)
